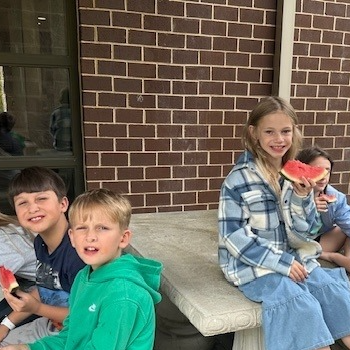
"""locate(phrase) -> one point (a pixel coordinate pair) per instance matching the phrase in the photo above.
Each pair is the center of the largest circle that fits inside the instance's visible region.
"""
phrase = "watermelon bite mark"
(8, 280)
(293, 170)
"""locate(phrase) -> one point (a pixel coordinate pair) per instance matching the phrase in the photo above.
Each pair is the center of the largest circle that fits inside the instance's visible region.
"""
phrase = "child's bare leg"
(333, 240)
(347, 247)
(346, 341)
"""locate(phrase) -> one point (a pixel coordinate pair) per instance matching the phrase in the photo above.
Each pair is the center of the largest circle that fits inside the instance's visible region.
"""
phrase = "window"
(40, 120)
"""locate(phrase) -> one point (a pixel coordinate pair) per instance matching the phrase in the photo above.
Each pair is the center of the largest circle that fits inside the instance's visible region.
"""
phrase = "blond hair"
(115, 206)
(266, 106)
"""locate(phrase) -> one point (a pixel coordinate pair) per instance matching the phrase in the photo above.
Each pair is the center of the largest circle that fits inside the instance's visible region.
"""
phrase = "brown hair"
(36, 179)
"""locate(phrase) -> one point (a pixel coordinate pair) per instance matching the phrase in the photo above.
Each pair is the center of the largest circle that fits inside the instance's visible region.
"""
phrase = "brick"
(170, 102)
(157, 55)
(144, 159)
(196, 131)
(89, 99)
(323, 22)
(211, 88)
(141, 37)
(253, 46)
(143, 70)
(201, 102)
(96, 83)
(142, 101)
(195, 185)
(335, 10)
(86, 33)
(212, 58)
(224, 74)
(127, 53)
(111, 68)
(171, 40)
(130, 173)
(191, 158)
(210, 144)
(220, 158)
(111, 35)
(320, 51)
(157, 23)
(159, 145)
(104, 114)
(128, 145)
(213, 28)
(144, 6)
(198, 10)
(185, 117)
(197, 73)
(94, 17)
(185, 87)
(184, 198)
(170, 72)
(171, 131)
(92, 159)
(313, 6)
(111, 100)
(110, 4)
(157, 86)
(114, 159)
(158, 117)
(209, 171)
(100, 174)
(127, 115)
(186, 171)
(240, 30)
(185, 57)
(198, 42)
(183, 25)
(210, 117)
(112, 130)
(208, 196)
(169, 158)
(173, 8)
(170, 186)
(225, 44)
(98, 144)
(143, 186)
(96, 50)
(158, 199)
(226, 13)
(158, 173)
(260, 89)
(126, 20)
(128, 85)
(222, 103)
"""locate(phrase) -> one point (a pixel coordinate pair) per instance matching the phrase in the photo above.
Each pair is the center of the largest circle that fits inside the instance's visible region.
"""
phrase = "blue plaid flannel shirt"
(260, 233)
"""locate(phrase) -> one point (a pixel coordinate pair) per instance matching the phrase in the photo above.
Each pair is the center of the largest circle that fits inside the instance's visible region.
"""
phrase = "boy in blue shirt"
(39, 198)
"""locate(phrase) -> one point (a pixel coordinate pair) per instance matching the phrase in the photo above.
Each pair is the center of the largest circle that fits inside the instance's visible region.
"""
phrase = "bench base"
(248, 339)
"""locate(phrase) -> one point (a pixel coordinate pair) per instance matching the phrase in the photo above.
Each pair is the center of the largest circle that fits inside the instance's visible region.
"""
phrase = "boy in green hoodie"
(112, 299)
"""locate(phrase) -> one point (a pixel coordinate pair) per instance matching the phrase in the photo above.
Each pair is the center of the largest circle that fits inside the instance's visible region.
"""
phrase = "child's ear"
(64, 204)
(125, 239)
(71, 237)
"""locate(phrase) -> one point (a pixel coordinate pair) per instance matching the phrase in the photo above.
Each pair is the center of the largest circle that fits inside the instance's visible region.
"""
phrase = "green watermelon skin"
(8, 280)
(293, 170)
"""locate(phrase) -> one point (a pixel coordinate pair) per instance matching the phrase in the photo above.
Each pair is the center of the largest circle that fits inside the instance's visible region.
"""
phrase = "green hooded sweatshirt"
(111, 308)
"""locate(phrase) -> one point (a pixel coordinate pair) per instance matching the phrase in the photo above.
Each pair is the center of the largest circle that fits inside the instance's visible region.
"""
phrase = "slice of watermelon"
(8, 280)
(293, 170)
(330, 198)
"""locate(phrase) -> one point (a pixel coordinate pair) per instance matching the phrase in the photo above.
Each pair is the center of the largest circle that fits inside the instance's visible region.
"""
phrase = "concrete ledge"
(186, 243)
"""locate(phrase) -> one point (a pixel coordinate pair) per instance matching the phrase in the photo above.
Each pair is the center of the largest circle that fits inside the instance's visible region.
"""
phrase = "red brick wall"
(167, 86)
(320, 80)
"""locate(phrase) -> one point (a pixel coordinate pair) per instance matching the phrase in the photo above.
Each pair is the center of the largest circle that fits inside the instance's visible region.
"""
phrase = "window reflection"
(31, 27)
(38, 100)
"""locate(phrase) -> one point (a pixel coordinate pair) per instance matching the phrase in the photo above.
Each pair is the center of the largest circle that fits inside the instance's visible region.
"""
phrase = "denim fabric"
(302, 316)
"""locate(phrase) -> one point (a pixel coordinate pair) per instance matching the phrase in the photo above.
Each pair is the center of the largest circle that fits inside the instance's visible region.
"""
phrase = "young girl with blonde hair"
(266, 245)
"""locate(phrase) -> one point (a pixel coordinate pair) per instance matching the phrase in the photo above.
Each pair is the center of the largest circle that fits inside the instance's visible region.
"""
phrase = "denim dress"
(260, 236)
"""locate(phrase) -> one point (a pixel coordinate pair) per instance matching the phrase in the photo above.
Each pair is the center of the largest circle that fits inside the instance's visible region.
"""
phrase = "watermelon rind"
(293, 170)
(8, 280)
(330, 198)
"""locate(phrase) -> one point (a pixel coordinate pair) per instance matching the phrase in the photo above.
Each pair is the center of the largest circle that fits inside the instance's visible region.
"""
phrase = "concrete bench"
(186, 243)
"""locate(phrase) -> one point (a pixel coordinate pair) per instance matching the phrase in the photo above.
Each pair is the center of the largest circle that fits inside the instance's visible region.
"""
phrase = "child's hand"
(321, 204)
(305, 187)
(22, 302)
(298, 272)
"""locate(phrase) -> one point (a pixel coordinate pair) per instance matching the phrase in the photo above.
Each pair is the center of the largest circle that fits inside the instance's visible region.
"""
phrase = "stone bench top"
(186, 244)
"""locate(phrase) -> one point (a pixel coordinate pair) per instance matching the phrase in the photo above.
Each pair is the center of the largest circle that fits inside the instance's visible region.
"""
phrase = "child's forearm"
(56, 313)
(337, 258)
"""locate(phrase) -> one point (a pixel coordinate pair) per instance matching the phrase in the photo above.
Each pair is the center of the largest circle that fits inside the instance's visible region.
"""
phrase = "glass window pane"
(38, 101)
(33, 27)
